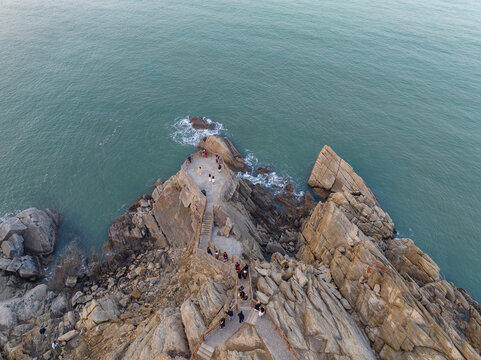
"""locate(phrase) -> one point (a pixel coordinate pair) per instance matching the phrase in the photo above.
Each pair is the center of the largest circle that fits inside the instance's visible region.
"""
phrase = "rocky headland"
(335, 281)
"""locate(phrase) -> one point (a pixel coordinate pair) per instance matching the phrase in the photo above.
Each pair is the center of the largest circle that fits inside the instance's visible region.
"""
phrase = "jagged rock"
(365, 213)
(11, 226)
(68, 336)
(273, 247)
(41, 234)
(245, 339)
(332, 174)
(263, 298)
(30, 268)
(211, 298)
(13, 247)
(408, 259)
(376, 292)
(59, 305)
(162, 336)
(71, 281)
(216, 144)
(193, 322)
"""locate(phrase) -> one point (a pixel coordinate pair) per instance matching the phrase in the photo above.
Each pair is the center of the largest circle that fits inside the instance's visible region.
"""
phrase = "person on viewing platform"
(222, 323)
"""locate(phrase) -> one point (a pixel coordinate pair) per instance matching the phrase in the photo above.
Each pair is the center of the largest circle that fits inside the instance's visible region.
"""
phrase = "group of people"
(216, 254)
(260, 309)
(241, 273)
(218, 161)
(230, 316)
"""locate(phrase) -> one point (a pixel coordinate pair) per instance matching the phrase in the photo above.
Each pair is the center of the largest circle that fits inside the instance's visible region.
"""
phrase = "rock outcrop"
(354, 291)
(332, 174)
(200, 123)
(386, 281)
(216, 144)
(172, 215)
(41, 234)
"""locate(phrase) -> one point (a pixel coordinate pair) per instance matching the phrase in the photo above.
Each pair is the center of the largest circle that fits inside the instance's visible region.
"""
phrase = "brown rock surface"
(395, 321)
(216, 144)
(200, 123)
(332, 174)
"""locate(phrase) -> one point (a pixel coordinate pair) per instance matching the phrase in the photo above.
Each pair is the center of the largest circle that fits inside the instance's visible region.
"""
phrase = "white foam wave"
(271, 180)
(109, 137)
(185, 134)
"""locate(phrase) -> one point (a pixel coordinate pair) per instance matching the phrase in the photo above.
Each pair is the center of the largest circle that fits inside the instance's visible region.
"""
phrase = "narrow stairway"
(205, 351)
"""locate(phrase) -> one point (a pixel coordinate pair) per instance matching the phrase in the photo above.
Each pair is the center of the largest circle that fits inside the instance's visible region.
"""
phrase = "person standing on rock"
(217, 254)
(219, 167)
(230, 313)
(244, 271)
(199, 170)
(262, 311)
(209, 251)
(237, 266)
(222, 323)
(241, 317)
(226, 257)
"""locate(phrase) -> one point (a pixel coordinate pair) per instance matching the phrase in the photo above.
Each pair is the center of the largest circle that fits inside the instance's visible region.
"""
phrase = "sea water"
(94, 96)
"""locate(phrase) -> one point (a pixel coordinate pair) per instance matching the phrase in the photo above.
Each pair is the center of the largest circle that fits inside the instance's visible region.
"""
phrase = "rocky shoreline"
(334, 279)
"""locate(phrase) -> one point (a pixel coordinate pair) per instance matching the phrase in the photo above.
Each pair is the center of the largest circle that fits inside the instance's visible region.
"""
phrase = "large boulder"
(332, 174)
(31, 268)
(40, 236)
(13, 247)
(11, 226)
(27, 267)
(216, 144)
(201, 123)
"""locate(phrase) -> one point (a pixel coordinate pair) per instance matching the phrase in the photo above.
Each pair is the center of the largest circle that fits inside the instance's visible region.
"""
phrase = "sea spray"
(184, 134)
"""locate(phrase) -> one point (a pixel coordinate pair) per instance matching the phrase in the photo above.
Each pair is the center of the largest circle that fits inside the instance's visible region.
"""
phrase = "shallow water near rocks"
(92, 96)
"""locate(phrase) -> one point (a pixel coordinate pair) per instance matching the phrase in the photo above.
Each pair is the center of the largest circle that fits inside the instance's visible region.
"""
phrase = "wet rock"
(201, 123)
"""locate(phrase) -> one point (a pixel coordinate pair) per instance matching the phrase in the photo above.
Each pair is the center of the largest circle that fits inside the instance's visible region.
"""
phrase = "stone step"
(205, 351)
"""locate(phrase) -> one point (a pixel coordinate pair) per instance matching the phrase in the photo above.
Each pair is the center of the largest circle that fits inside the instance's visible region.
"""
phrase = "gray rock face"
(27, 267)
(11, 226)
(40, 236)
(31, 268)
(13, 247)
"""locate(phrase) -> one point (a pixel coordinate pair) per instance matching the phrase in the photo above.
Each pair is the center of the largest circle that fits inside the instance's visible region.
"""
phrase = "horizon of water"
(93, 95)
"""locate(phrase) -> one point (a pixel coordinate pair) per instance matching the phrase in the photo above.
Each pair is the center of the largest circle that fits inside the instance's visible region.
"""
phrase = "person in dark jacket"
(222, 323)
(241, 317)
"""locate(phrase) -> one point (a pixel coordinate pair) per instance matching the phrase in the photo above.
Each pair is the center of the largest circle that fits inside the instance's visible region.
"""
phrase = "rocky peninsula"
(333, 278)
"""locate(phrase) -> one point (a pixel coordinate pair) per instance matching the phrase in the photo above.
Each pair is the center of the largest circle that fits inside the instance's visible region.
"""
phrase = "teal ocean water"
(93, 93)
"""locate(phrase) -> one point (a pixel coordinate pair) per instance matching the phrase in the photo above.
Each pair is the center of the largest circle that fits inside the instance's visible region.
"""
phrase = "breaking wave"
(185, 134)
(271, 180)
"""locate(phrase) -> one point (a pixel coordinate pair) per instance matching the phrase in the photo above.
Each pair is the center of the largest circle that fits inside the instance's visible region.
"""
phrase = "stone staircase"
(205, 351)
(206, 228)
